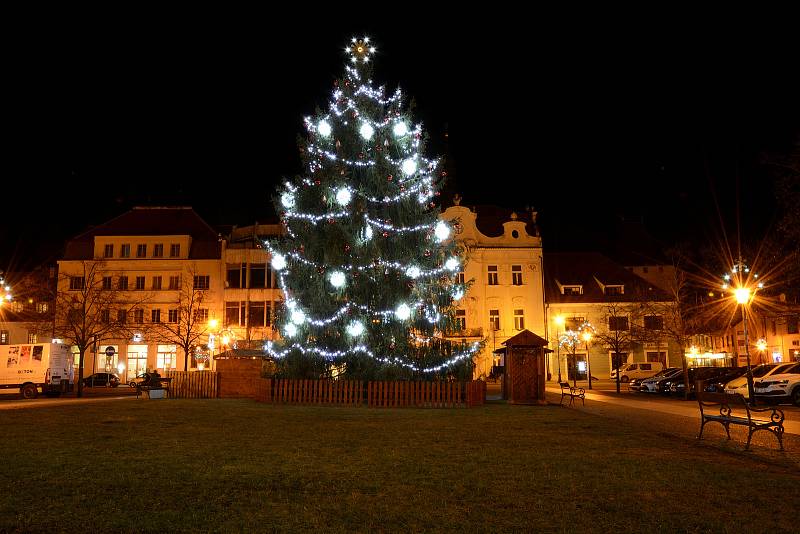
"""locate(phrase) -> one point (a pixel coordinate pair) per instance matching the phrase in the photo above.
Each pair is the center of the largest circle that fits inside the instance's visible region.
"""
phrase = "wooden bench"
(163, 384)
(571, 392)
(732, 404)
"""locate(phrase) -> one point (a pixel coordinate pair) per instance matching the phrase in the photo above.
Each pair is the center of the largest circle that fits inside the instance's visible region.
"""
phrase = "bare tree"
(91, 307)
(190, 320)
(621, 330)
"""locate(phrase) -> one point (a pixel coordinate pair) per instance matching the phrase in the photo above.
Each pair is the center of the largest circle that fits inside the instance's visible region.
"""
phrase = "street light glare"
(559, 320)
(742, 295)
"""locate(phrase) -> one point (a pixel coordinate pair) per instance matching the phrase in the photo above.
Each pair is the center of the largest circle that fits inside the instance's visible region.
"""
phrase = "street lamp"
(743, 293)
(559, 320)
(587, 337)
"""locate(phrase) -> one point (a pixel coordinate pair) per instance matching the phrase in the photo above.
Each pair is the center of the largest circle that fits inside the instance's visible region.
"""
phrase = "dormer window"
(614, 290)
(572, 290)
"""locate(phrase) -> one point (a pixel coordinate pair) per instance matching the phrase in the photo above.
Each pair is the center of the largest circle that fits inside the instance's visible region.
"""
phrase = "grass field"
(242, 466)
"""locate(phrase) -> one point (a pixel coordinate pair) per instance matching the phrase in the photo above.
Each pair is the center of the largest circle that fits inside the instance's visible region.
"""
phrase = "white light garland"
(287, 199)
(298, 317)
(400, 129)
(324, 128)
(290, 330)
(409, 167)
(413, 272)
(452, 264)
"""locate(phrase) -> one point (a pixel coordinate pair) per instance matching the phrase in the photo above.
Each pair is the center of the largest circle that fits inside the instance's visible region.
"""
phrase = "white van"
(630, 371)
(31, 369)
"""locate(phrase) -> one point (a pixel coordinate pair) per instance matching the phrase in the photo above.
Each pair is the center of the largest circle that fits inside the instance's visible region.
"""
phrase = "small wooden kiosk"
(524, 370)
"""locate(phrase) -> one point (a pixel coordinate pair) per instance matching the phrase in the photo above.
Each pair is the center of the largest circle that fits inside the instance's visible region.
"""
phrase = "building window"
(122, 316)
(105, 316)
(108, 251)
(270, 282)
(174, 282)
(256, 316)
(461, 319)
(32, 338)
(459, 279)
(258, 275)
(519, 319)
(494, 319)
(201, 314)
(614, 290)
(617, 323)
(574, 323)
(107, 283)
(174, 250)
(572, 290)
(232, 313)
(791, 325)
(201, 282)
(165, 360)
(3, 337)
(123, 282)
(75, 283)
(233, 278)
(140, 283)
(155, 315)
(42, 307)
(156, 282)
(653, 322)
(138, 316)
(516, 275)
(492, 275)
(125, 251)
(172, 316)
(158, 250)
(141, 251)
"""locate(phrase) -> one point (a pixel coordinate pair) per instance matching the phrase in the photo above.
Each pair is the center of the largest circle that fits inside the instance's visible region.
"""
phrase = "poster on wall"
(38, 350)
(13, 357)
(24, 355)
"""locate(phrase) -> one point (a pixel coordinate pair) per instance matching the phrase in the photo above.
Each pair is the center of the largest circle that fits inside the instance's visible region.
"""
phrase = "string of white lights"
(396, 360)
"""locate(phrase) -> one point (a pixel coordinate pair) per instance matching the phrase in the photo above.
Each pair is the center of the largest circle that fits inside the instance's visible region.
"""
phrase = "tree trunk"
(80, 372)
(185, 359)
(685, 372)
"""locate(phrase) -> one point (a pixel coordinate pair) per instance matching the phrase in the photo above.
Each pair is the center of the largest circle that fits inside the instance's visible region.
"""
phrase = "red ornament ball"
(385, 234)
(317, 182)
(347, 248)
(389, 178)
(331, 221)
(428, 253)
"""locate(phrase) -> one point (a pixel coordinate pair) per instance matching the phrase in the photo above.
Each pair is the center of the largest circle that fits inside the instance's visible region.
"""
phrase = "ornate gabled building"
(504, 263)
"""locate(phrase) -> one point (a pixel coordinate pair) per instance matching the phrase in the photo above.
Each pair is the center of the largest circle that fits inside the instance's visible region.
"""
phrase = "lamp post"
(587, 337)
(742, 282)
(559, 320)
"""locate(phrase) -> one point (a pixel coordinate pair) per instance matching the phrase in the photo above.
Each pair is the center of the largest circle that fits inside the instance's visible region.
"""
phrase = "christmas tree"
(367, 267)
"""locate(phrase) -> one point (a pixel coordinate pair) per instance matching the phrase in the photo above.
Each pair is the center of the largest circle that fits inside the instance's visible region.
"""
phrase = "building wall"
(513, 248)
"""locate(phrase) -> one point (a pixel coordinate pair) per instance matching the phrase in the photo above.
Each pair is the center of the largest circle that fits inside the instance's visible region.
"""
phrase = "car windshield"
(665, 372)
(762, 370)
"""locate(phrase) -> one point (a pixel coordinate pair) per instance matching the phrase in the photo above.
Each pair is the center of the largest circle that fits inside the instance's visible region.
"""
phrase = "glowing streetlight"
(213, 323)
(742, 295)
(761, 344)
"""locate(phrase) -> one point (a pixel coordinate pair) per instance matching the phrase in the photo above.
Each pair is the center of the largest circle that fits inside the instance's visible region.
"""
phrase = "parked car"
(656, 384)
(101, 379)
(739, 385)
(717, 385)
(678, 387)
(636, 383)
(780, 387)
(636, 370)
(138, 379)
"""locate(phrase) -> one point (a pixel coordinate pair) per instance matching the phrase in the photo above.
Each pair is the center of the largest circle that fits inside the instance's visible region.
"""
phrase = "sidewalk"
(665, 406)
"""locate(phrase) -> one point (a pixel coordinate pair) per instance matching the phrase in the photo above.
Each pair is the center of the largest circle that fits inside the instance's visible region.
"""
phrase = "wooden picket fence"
(324, 392)
(379, 394)
(193, 384)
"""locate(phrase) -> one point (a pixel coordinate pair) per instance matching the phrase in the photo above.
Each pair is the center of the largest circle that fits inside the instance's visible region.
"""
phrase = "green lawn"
(242, 466)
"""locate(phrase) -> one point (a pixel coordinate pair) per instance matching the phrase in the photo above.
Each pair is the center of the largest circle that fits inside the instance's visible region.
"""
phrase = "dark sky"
(586, 116)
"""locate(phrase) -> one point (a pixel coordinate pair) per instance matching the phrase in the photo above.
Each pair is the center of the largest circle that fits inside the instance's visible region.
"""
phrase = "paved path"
(669, 406)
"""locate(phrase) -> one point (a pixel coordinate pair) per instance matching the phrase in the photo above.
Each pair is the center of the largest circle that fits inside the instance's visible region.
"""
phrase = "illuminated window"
(459, 278)
(32, 338)
(492, 275)
(519, 319)
(494, 319)
(461, 319)
(3, 337)
(516, 275)
(42, 307)
(572, 290)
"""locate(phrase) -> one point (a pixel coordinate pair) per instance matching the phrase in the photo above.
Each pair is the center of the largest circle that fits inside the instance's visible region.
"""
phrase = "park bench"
(571, 392)
(735, 410)
(163, 384)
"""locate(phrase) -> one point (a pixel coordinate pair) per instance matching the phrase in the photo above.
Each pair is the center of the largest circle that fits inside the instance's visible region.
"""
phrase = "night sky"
(651, 118)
